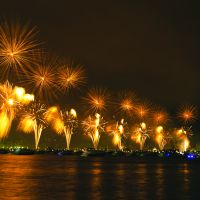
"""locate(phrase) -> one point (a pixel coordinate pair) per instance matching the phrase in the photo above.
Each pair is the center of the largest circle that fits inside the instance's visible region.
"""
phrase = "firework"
(53, 117)
(5, 123)
(17, 45)
(11, 99)
(116, 130)
(8, 102)
(140, 134)
(160, 117)
(62, 122)
(70, 77)
(187, 113)
(97, 99)
(142, 110)
(33, 120)
(161, 137)
(70, 120)
(41, 78)
(93, 126)
(127, 103)
(183, 135)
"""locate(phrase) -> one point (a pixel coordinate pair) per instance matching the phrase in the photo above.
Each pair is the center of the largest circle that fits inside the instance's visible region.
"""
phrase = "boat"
(4, 151)
(93, 153)
(65, 152)
(22, 151)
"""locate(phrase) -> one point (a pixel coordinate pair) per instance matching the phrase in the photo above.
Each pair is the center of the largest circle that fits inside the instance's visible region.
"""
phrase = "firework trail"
(33, 120)
(62, 122)
(116, 130)
(161, 137)
(187, 114)
(93, 126)
(140, 134)
(183, 135)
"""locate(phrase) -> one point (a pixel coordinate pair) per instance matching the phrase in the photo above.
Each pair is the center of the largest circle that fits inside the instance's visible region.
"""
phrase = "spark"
(93, 126)
(161, 137)
(62, 122)
(142, 110)
(41, 78)
(33, 120)
(127, 102)
(160, 117)
(140, 134)
(70, 77)
(17, 46)
(187, 113)
(97, 99)
(116, 130)
(183, 135)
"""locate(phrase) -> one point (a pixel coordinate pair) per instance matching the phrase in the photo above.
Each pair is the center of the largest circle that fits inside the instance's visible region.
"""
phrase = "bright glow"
(140, 134)
(93, 126)
(10, 102)
(161, 137)
(33, 120)
(62, 122)
(19, 92)
(73, 113)
(5, 124)
(116, 130)
(26, 125)
(27, 98)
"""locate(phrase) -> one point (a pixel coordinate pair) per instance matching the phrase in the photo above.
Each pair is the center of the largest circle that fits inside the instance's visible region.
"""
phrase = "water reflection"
(96, 180)
(120, 175)
(53, 177)
(159, 175)
(15, 177)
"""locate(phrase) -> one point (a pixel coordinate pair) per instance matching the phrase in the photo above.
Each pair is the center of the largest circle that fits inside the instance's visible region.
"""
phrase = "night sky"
(150, 47)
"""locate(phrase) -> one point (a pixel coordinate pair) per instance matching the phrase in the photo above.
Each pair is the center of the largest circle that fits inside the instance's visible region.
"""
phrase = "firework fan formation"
(93, 127)
(62, 122)
(33, 120)
(116, 130)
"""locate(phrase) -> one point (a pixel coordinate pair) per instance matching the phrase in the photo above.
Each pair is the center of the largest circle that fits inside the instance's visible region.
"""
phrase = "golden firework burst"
(97, 99)
(17, 47)
(70, 77)
(187, 113)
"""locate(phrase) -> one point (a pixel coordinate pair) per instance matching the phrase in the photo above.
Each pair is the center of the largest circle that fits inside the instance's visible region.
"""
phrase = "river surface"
(94, 178)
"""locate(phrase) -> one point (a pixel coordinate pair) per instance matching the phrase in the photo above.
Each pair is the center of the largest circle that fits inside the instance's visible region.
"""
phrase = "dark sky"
(151, 47)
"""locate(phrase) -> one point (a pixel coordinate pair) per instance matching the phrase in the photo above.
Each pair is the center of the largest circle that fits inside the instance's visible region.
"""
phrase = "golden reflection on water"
(120, 175)
(141, 181)
(15, 177)
(52, 177)
(159, 172)
(186, 172)
(96, 180)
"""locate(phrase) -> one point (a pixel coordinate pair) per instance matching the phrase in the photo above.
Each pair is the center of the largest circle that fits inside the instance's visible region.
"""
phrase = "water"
(71, 177)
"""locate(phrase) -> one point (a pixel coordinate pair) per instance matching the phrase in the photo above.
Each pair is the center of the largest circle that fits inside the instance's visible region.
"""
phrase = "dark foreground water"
(71, 177)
